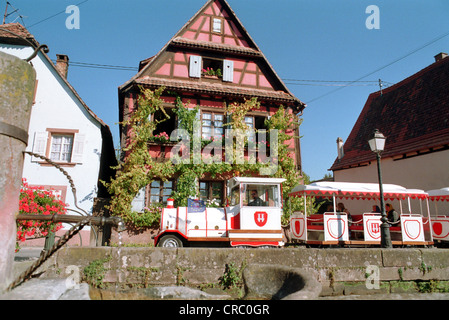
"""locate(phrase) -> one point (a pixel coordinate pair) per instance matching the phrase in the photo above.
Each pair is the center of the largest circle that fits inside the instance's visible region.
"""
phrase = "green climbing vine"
(138, 169)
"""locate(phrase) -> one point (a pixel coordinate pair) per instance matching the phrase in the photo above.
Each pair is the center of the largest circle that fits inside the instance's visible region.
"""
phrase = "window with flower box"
(200, 67)
(162, 132)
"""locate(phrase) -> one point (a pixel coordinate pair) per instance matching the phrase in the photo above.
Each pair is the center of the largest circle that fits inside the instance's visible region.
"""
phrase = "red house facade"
(210, 63)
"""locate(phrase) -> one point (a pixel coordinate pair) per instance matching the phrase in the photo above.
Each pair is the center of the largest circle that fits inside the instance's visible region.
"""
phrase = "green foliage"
(187, 117)
(138, 169)
(232, 277)
(94, 273)
(238, 111)
(286, 123)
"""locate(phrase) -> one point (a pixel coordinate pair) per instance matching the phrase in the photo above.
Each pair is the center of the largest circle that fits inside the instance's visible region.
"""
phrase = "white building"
(62, 128)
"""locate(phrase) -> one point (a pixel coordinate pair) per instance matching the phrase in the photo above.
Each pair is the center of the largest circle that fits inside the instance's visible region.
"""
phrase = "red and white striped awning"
(439, 194)
(353, 190)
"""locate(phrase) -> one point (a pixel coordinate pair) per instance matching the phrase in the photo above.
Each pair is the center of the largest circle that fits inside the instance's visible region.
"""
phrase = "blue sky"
(313, 40)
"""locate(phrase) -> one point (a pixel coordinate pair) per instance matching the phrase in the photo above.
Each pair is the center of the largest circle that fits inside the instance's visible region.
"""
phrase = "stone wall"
(340, 271)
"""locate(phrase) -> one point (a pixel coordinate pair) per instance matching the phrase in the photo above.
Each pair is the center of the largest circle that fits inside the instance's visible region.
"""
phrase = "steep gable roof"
(196, 35)
(234, 34)
(413, 114)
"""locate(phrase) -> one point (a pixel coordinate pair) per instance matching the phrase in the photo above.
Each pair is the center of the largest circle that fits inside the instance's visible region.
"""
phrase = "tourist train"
(252, 218)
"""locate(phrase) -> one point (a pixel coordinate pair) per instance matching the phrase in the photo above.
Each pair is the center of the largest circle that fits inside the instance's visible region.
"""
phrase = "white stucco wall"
(57, 107)
(426, 172)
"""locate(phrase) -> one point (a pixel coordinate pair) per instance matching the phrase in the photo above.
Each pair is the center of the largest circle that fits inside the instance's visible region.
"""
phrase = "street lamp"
(377, 145)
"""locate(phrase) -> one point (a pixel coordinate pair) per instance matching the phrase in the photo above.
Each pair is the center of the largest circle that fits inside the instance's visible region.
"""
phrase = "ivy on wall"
(138, 169)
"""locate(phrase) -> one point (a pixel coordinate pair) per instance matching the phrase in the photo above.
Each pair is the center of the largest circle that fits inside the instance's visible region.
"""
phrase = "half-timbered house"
(210, 62)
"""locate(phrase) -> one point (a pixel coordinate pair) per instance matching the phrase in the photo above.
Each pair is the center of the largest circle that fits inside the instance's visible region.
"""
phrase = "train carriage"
(439, 218)
(340, 228)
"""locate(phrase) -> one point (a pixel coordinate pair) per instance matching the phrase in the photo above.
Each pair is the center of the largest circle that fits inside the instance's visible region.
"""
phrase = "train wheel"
(170, 241)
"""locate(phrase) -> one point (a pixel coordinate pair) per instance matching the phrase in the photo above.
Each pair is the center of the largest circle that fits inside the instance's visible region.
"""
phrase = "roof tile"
(413, 114)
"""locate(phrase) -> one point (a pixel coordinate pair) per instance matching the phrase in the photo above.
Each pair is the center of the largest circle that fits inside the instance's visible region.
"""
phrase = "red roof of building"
(412, 114)
(15, 33)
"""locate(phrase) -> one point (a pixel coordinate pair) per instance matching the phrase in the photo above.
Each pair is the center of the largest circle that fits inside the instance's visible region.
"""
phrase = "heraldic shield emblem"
(373, 228)
(260, 218)
(371, 223)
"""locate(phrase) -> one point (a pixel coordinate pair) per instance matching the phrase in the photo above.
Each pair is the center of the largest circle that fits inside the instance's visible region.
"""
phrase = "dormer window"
(217, 25)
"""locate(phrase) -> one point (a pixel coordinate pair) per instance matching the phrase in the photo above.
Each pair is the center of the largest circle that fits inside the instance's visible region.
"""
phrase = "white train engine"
(252, 218)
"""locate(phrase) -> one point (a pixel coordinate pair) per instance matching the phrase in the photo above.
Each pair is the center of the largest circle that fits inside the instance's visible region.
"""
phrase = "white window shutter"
(40, 145)
(228, 71)
(138, 203)
(78, 148)
(195, 66)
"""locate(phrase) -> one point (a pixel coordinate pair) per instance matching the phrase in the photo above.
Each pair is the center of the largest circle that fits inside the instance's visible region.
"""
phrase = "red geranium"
(37, 200)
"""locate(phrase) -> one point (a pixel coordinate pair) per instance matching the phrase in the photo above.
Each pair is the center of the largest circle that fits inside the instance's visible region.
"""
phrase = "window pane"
(207, 116)
(65, 157)
(262, 196)
(217, 25)
(217, 185)
(168, 184)
(155, 191)
(54, 156)
(207, 123)
(218, 117)
(216, 194)
(155, 184)
(235, 196)
(61, 147)
(154, 199)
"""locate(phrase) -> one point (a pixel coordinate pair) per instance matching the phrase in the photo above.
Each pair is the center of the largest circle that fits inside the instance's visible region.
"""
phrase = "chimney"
(440, 56)
(62, 64)
(340, 144)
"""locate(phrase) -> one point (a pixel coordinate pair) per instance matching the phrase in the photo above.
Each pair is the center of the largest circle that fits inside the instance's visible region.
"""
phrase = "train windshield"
(261, 195)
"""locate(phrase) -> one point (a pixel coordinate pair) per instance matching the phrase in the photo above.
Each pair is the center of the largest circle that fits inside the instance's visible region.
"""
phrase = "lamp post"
(377, 145)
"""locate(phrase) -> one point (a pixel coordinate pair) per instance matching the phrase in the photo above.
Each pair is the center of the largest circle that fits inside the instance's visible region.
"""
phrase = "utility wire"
(52, 16)
(334, 85)
(100, 66)
(383, 67)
